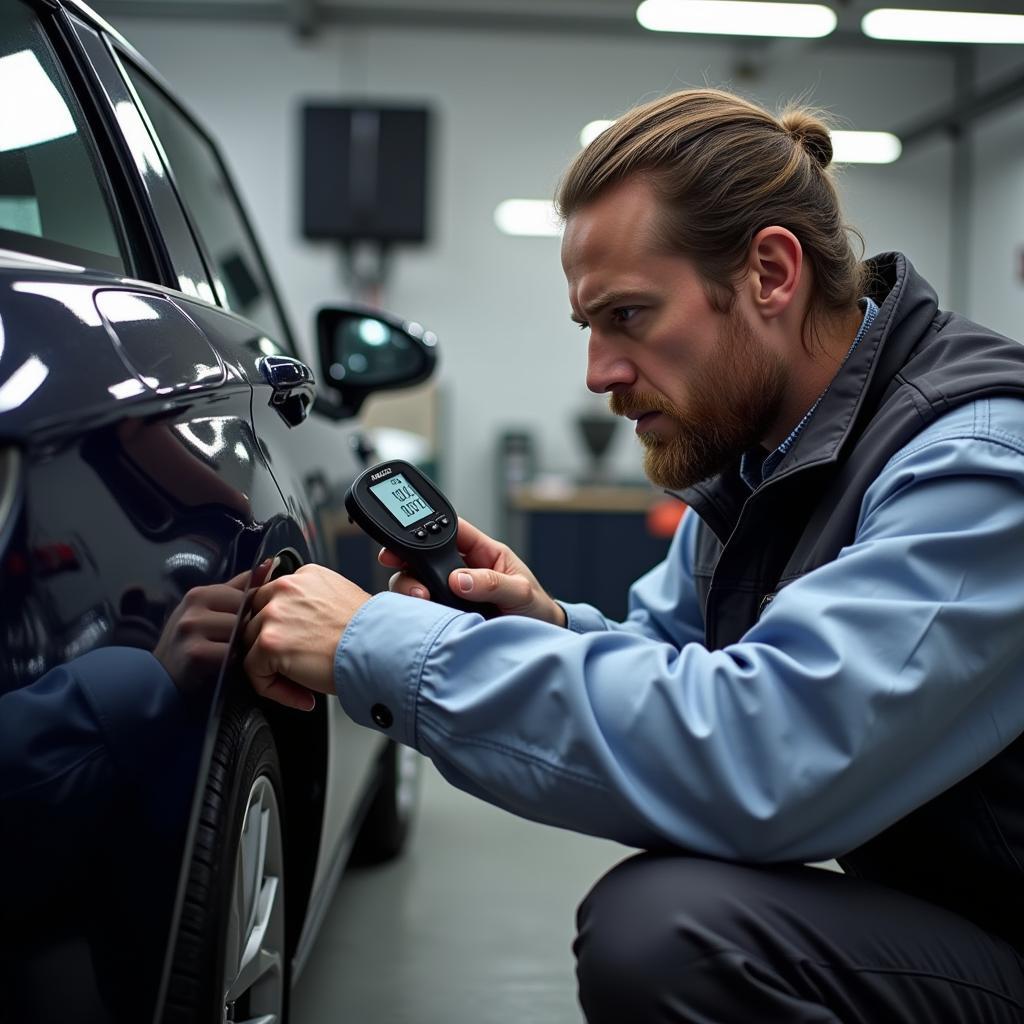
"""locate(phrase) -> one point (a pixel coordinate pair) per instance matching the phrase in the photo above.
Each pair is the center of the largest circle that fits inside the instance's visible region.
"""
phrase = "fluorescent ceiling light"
(943, 26)
(31, 109)
(865, 147)
(528, 217)
(592, 129)
(737, 18)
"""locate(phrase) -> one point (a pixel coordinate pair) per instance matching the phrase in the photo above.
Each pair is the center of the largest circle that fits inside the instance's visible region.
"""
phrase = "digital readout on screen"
(401, 499)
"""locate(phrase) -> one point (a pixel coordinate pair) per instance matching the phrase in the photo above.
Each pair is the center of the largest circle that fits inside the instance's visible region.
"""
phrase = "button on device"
(420, 534)
(382, 716)
(433, 528)
(443, 520)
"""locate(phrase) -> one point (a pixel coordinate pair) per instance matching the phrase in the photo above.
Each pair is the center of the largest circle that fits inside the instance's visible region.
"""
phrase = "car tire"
(389, 819)
(230, 960)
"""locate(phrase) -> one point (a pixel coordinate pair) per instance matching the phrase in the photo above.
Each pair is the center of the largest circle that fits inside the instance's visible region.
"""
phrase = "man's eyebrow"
(603, 300)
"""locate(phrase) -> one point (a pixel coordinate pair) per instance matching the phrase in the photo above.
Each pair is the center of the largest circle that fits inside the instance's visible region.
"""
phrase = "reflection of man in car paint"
(828, 662)
(65, 738)
(97, 767)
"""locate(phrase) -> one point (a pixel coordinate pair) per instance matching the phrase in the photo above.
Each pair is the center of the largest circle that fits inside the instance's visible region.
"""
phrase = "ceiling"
(589, 18)
(579, 16)
(603, 18)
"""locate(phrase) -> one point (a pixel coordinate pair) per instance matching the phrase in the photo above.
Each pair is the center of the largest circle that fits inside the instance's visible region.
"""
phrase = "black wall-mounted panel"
(365, 173)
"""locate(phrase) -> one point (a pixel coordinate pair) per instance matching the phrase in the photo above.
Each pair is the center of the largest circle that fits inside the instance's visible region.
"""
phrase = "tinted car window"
(51, 200)
(237, 271)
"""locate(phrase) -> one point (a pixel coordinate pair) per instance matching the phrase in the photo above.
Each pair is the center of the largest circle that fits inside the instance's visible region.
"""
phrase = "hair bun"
(810, 133)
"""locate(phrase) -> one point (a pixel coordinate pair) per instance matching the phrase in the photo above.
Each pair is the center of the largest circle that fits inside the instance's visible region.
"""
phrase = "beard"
(732, 403)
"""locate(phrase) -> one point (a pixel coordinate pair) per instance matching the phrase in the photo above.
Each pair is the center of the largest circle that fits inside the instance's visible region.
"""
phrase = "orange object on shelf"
(663, 517)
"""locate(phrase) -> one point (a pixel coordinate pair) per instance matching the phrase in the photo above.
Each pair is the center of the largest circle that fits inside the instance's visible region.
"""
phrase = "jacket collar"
(907, 307)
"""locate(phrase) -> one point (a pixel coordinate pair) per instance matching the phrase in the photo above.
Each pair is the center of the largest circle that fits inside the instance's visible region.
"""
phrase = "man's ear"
(775, 266)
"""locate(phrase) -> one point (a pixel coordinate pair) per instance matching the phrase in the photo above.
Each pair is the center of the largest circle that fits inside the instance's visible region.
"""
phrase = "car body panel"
(313, 463)
(314, 466)
(125, 505)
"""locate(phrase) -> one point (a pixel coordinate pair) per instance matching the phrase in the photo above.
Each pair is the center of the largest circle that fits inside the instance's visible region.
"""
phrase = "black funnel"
(597, 433)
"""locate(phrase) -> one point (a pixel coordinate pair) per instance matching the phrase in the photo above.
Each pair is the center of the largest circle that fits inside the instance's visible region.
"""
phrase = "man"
(828, 663)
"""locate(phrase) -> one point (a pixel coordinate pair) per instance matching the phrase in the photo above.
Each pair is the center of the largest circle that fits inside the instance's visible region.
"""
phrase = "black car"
(169, 842)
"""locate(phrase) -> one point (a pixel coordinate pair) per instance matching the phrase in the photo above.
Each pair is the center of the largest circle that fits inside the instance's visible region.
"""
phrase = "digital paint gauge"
(400, 508)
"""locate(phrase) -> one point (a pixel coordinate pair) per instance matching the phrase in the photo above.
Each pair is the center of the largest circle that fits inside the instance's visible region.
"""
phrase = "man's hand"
(296, 625)
(494, 575)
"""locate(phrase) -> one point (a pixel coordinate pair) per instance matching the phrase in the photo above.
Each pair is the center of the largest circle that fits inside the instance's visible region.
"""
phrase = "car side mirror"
(363, 351)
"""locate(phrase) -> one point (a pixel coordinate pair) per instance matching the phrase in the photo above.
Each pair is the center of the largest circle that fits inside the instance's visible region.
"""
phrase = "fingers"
(218, 597)
(509, 593)
(478, 550)
(239, 582)
(390, 559)
(251, 578)
(269, 683)
(284, 691)
(403, 583)
(211, 625)
(265, 593)
(251, 632)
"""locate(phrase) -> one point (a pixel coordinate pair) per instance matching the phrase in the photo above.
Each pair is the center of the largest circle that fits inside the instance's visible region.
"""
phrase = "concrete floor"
(472, 926)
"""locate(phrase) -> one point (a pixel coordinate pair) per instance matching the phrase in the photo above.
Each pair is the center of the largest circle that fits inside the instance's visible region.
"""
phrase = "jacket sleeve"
(901, 658)
(662, 603)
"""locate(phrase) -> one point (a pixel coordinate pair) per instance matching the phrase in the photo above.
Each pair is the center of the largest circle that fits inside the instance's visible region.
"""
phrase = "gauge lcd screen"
(401, 499)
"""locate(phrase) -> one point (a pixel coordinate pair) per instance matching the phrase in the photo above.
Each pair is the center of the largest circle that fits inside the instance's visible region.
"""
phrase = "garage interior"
(473, 924)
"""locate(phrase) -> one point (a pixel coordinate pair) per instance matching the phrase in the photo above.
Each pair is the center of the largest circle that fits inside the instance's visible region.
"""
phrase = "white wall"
(996, 285)
(509, 108)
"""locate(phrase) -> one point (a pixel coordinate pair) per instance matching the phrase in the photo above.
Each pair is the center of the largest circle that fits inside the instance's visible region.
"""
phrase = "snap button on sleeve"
(382, 716)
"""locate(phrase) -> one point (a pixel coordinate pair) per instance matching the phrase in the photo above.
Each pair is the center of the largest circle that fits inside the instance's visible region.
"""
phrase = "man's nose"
(606, 367)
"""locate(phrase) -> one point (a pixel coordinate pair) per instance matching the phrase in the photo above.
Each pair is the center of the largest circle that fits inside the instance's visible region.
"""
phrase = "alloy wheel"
(254, 948)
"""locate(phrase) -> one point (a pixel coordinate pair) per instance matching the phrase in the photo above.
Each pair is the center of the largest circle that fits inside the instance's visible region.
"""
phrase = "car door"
(313, 456)
(131, 478)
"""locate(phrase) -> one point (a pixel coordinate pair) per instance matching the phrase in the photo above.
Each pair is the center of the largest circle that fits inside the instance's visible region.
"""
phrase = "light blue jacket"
(903, 657)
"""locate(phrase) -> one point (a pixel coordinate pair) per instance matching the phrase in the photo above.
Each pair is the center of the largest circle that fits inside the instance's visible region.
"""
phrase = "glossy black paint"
(148, 446)
(134, 491)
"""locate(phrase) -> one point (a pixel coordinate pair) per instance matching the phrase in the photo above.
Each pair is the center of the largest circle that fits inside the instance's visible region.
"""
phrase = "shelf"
(585, 498)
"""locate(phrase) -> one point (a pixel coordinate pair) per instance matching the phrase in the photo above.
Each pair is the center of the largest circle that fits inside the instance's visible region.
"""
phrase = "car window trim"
(125, 56)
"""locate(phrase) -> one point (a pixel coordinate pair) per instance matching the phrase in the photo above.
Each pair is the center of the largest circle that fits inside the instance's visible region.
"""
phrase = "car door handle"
(292, 387)
(283, 373)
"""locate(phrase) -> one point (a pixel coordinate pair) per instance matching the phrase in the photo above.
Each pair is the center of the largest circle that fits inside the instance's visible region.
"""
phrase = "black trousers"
(669, 939)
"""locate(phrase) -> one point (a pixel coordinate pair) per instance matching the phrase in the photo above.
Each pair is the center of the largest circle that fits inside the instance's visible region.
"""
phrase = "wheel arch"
(302, 742)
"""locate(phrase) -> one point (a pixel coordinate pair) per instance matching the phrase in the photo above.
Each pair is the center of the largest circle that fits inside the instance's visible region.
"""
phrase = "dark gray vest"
(965, 849)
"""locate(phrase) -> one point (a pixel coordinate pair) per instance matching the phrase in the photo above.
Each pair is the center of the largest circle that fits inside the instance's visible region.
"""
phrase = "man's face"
(700, 384)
